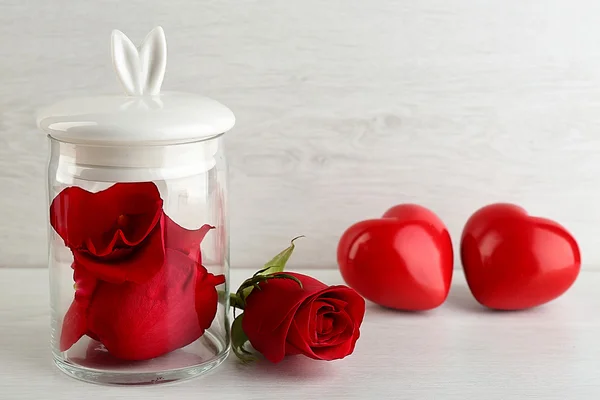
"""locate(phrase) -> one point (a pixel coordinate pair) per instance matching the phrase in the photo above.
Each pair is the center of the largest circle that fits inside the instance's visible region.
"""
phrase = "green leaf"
(276, 264)
(239, 340)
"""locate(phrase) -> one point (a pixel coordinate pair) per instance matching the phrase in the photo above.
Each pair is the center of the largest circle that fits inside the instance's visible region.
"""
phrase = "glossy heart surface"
(514, 261)
(403, 260)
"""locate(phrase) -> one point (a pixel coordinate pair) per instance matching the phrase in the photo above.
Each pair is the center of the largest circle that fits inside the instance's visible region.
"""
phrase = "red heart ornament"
(514, 261)
(403, 260)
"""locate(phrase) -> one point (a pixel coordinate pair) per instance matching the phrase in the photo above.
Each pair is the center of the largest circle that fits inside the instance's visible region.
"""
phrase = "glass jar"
(138, 256)
(138, 229)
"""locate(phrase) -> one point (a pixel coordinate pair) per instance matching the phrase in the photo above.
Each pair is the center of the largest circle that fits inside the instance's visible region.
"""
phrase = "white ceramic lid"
(143, 115)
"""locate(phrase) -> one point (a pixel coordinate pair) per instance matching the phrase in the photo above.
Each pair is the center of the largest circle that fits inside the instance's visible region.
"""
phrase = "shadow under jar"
(138, 236)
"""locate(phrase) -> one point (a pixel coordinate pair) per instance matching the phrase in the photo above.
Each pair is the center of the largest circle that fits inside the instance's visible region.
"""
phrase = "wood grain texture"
(456, 352)
(344, 108)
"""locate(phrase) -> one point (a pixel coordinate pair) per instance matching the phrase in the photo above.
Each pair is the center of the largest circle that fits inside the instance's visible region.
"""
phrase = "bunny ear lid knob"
(141, 70)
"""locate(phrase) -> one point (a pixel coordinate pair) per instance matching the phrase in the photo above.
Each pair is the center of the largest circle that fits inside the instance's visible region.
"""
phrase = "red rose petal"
(337, 323)
(75, 320)
(207, 298)
(342, 329)
(143, 321)
(125, 212)
(133, 232)
(85, 284)
(331, 348)
(297, 338)
(314, 317)
(337, 352)
(319, 323)
(184, 240)
(91, 221)
(303, 333)
(291, 350)
(324, 323)
(349, 299)
(140, 265)
(74, 325)
(67, 215)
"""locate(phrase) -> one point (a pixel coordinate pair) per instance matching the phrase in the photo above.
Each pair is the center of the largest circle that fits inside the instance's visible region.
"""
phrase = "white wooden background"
(344, 107)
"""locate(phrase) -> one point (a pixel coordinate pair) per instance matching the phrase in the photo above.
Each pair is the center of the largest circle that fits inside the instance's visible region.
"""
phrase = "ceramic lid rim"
(168, 118)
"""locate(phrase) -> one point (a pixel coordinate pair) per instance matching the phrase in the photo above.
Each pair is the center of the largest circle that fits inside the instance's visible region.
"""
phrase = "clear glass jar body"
(138, 260)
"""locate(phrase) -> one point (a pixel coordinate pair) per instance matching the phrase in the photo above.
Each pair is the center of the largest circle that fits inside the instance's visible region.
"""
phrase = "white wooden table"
(459, 351)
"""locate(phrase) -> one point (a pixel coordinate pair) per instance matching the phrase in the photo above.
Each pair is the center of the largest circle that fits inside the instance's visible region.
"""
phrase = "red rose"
(114, 233)
(319, 321)
(141, 289)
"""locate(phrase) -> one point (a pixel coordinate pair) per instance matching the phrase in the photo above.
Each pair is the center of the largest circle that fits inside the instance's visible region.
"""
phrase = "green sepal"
(275, 265)
(235, 301)
(254, 283)
(239, 340)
